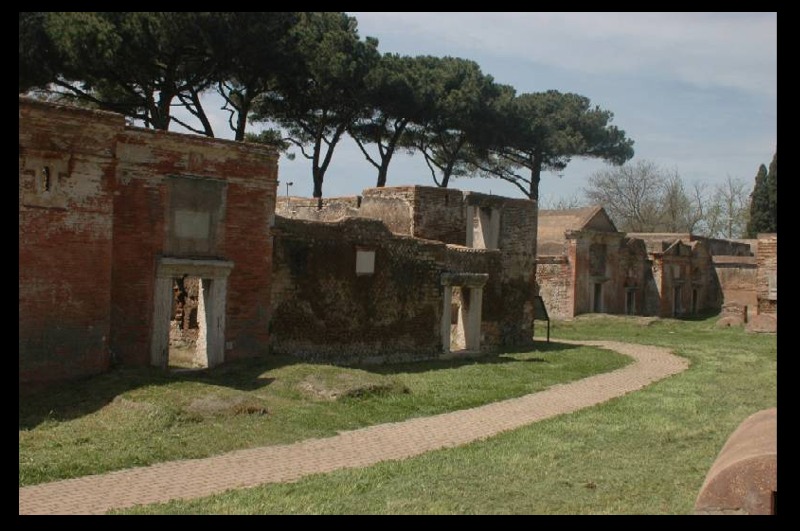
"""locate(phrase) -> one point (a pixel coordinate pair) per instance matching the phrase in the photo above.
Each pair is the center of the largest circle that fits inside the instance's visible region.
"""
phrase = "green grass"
(134, 417)
(644, 453)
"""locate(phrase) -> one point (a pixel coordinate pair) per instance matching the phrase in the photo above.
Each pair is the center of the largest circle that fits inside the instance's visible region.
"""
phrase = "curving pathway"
(358, 448)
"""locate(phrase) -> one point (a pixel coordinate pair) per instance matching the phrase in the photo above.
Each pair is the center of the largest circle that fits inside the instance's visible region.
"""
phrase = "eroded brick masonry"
(109, 215)
(584, 265)
(133, 240)
(437, 256)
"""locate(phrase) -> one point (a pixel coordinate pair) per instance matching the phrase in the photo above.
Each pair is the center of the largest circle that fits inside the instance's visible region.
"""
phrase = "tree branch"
(187, 126)
(300, 145)
(364, 151)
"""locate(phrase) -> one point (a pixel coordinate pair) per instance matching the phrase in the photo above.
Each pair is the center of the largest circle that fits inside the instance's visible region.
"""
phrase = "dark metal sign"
(540, 313)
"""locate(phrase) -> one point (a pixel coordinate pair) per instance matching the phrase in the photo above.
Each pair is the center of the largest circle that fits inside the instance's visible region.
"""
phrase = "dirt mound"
(346, 385)
(212, 405)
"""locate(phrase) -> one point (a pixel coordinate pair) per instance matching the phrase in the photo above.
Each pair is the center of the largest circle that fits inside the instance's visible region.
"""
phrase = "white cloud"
(733, 50)
(696, 91)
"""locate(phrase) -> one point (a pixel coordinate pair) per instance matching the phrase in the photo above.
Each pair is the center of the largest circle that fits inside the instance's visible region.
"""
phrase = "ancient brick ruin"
(136, 243)
(584, 265)
(110, 216)
(402, 273)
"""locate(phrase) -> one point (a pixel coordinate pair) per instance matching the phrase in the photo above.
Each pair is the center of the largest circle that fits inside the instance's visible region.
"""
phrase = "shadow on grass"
(700, 316)
(502, 356)
(76, 398)
(79, 397)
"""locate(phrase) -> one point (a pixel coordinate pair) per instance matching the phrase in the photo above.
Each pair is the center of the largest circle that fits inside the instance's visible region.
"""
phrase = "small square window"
(365, 262)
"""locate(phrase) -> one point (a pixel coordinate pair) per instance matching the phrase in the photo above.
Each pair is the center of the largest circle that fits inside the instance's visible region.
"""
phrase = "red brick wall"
(147, 160)
(250, 207)
(65, 250)
(88, 247)
(139, 225)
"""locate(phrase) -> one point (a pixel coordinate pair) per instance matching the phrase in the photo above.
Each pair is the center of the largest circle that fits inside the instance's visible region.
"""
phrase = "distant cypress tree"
(764, 200)
(772, 193)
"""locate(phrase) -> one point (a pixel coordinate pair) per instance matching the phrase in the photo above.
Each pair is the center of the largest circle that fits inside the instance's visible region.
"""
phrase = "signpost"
(540, 313)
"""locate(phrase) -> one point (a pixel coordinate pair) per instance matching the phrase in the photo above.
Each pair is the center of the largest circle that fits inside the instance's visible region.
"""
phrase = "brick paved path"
(359, 448)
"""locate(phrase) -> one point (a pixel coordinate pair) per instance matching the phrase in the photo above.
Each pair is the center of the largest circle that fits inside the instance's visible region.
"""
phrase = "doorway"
(597, 301)
(630, 301)
(462, 308)
(677, 308)
(188, 348)
(459, 311)
(190, 332)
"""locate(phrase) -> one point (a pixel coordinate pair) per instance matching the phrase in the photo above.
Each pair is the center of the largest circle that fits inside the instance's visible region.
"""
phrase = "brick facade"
(685, 280)
(584, 265)
(66, 175)
(117, 200)
(460, 233)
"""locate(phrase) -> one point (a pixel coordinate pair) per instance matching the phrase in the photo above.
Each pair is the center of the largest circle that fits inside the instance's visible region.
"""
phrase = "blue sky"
(697, 92)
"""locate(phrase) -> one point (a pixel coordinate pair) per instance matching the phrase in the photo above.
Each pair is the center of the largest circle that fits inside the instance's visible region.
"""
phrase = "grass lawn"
(133, 417)
(643, 453)
(646, 452)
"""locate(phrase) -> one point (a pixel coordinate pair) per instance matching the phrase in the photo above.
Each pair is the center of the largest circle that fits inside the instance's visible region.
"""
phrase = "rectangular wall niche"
(483, 227)
(365, 261)
(195, 224)
(630, 301)
(190, 224)
(677, 308)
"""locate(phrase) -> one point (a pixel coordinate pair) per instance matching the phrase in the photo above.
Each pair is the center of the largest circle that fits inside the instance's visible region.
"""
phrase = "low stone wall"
(732, 314)
(333, 208)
